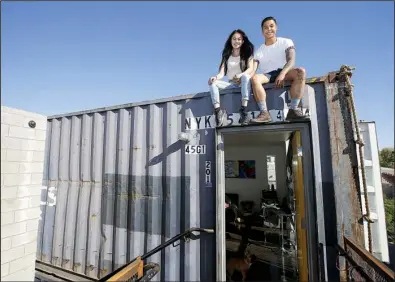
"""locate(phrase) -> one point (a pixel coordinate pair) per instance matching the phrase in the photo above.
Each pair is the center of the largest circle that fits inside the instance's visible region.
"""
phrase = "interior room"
(260, 208)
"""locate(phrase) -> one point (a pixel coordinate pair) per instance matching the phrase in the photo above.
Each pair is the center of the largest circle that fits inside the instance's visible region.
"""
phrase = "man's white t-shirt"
(273, 57)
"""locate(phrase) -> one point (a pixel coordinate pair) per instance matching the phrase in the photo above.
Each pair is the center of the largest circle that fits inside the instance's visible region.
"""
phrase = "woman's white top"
(233, 67)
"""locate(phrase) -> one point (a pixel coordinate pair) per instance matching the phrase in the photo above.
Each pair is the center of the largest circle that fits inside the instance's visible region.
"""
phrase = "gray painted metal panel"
(324, 190)
(123, 184)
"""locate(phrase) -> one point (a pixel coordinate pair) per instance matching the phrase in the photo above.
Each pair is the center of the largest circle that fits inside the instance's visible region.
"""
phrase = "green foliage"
(389, 205)
(387, 157)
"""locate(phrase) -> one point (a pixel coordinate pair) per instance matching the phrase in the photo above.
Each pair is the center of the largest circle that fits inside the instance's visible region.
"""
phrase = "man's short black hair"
(267, 19)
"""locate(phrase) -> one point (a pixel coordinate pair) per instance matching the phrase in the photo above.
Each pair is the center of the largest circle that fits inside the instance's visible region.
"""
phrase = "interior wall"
(250, 189)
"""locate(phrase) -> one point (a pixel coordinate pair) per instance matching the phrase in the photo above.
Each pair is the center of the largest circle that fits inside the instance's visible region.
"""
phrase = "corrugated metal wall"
(122, 187)
(117, 182)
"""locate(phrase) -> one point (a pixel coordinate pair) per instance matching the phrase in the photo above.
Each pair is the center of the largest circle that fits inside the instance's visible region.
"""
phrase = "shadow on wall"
(151, 210)
(143, 212)
(178, 145)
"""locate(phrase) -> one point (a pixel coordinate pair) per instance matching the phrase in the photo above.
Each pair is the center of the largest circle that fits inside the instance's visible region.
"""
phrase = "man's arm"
(254, 67)
(290, 55)
(255, 62)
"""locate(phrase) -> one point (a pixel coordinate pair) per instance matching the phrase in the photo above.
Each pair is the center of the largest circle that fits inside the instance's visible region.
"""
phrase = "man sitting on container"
(276, 59)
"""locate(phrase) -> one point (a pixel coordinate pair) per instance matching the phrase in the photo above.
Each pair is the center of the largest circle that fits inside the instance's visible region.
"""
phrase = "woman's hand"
(236, 78)
(212, 79)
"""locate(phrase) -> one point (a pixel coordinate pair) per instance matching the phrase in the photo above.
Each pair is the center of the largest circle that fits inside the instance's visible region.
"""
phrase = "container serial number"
(195, 149)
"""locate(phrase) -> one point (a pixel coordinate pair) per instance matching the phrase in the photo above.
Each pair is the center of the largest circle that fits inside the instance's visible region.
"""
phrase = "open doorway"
(265, 225)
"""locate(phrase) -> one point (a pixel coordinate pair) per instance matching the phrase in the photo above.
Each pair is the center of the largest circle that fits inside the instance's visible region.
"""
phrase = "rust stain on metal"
(80, 182)
(335, 127)
(136, 196)
(55, 260)
(356, 208)
(343, 275)
(65, 262)
(365, 263)
(77, 267)
(103, 271)
(343, 272)
(354, 202)
(332, 76)
(342, 154)
(352, 174)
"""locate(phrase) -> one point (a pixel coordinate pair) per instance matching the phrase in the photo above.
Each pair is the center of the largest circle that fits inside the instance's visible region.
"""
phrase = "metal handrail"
(364, 263)
(134, 268)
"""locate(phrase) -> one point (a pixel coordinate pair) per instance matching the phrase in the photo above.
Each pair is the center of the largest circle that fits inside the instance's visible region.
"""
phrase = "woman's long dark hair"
(246, 51)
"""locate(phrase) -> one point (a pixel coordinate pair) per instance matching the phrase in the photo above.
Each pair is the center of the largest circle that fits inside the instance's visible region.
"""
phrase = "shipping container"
(121, 180)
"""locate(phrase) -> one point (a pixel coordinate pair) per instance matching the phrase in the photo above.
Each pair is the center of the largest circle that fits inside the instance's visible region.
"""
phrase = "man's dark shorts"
(272, 75)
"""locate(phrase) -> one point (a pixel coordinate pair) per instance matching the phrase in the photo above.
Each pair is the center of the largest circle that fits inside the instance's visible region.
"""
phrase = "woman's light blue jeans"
(217, 85)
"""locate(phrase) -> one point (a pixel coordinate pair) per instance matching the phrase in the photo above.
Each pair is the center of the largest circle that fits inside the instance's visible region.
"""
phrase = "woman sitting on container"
(237, 66)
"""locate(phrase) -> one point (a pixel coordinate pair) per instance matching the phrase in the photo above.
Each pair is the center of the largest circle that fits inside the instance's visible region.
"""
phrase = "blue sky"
(60, 57)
